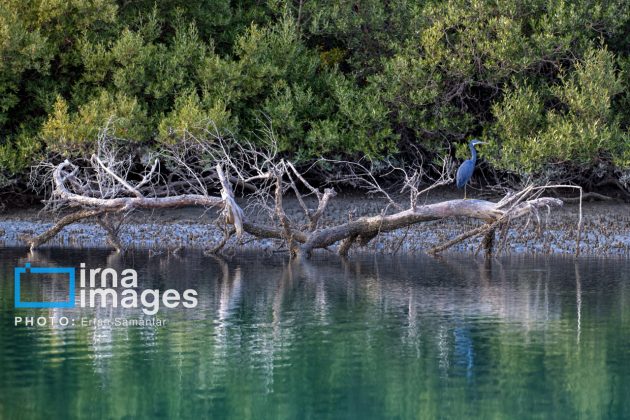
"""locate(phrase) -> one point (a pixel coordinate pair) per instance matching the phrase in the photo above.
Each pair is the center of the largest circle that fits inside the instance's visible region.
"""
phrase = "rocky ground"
(606, 229)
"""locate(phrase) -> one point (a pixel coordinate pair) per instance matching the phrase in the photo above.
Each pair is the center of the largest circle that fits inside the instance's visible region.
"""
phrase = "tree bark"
(301, 240)
(63, 222)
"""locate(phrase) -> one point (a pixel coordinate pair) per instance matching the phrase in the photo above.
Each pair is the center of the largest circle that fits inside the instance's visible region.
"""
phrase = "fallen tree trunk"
(108, 190)
(372, 226)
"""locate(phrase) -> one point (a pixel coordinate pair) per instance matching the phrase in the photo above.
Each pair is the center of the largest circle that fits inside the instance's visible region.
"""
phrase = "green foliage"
(582, 127)
(362, 33)
(66, 132)
(191, 117)
(21, 50)
(546, 81)
(314, 109)
(16, 154)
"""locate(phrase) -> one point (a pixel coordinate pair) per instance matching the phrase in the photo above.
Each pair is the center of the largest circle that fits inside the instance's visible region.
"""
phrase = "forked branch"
(108, 187)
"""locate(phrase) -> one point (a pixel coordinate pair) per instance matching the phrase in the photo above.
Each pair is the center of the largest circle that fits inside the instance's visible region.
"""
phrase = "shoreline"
(605, 232)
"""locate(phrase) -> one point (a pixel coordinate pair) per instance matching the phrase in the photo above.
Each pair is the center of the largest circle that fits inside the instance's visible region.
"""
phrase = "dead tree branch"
(108, 187)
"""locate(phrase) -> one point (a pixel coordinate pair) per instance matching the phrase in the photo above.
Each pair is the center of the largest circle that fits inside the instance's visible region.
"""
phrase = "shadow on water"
(369, 337)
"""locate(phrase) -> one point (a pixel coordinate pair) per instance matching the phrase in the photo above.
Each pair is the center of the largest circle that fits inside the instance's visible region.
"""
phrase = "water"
(369, 338)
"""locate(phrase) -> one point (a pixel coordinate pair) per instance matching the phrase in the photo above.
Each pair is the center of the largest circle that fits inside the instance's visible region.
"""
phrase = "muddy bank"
(606, 230)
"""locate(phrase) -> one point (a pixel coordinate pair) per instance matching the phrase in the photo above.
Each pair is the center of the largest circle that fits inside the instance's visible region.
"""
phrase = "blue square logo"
(44, 270)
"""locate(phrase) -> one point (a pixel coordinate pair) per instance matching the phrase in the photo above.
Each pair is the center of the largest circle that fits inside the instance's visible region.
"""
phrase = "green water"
(398, 338)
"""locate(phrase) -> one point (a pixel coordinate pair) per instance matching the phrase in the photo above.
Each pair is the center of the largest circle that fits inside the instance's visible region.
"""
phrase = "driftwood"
(105, 188)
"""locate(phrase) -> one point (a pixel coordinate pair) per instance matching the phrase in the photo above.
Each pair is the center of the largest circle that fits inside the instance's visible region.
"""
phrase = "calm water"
(370, 338)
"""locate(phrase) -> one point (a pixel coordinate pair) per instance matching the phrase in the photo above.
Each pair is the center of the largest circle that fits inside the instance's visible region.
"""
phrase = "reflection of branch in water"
(114, 259)
(268, 338)
(443, 348)
(521, 295)
(278, 298)
(350, 288)
(229, 297)
(230, 293)
(316, 276)
(371, 278)
(578, 301)
(412, 332)
(39, 257)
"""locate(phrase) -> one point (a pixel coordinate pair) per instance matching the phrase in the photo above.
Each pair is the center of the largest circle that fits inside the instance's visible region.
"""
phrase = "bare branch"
(65, 221)
(197, 165)
(116, 177)
(233, 213)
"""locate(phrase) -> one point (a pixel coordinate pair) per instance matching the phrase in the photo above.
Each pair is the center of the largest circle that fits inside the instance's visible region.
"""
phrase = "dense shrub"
(544, 81)
(581, 127)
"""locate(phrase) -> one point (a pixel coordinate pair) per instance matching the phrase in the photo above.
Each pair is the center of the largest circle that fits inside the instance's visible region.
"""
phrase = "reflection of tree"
(393, 337)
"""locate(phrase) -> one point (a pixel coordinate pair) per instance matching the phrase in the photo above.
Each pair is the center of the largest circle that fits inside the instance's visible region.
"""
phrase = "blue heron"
(465, 171)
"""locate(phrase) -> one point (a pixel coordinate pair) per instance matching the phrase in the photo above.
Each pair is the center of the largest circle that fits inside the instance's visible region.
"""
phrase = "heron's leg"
(465, 191)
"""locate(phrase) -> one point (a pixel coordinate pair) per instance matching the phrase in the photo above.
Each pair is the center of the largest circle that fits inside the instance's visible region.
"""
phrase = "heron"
(465, 171)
